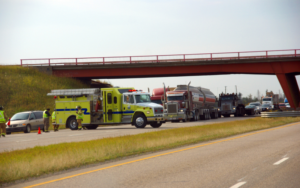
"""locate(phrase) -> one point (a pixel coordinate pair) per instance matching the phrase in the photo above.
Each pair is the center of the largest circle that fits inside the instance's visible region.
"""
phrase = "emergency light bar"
(132, 90)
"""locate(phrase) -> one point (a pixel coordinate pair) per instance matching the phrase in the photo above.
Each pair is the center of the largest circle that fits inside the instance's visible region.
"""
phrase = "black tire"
(27, 129)
(140, 121)
(8, 132)
(155, 125)
(91, 126)
(219, 115)
(72, 123)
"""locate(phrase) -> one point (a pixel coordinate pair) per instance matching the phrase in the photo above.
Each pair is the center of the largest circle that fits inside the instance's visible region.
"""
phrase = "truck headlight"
(218, 109)
(233, 108)
(181, 110)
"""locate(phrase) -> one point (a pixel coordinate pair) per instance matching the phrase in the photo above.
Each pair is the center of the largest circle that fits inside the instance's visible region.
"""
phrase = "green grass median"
(33, 162)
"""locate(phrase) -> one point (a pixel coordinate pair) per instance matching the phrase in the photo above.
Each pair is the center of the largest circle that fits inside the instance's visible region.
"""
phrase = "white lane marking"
(281, 161)
(238, 184)
(26, 140)
(242, 178)
(76, 134)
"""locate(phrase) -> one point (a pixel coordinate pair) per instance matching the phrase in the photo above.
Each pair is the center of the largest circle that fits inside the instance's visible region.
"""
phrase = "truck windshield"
(226, 98)
(266, 99)
(175, 98)
(142, 98)
(20, 116)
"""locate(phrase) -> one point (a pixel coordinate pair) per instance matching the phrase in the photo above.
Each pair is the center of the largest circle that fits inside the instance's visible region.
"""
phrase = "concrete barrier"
(280, 114)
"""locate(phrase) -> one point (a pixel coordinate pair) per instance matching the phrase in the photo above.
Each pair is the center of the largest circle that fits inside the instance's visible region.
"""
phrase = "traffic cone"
(8, 123)
(39, 131)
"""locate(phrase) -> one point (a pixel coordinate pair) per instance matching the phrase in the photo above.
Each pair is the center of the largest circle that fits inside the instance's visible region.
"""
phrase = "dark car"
(25, 122)
(251, 110)
(266, 107)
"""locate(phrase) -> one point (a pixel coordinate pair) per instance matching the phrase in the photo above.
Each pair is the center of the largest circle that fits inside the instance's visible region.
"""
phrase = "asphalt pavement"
(267, 158)
(22, 140)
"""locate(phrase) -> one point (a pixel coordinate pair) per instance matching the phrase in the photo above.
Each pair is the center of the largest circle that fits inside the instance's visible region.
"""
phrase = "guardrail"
(280, 114)
(161, 58)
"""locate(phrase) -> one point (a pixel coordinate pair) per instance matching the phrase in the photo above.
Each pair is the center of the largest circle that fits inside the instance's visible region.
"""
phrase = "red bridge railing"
(161, 58)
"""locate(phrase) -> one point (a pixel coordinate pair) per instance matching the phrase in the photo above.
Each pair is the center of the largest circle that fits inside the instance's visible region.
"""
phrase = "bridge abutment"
(290, 87)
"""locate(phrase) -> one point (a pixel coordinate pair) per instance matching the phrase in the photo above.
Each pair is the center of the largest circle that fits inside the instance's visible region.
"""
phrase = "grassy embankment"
(24, 89)
(22, 164)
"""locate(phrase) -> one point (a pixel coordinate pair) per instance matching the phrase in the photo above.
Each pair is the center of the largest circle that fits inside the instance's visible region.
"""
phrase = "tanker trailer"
(189, 103)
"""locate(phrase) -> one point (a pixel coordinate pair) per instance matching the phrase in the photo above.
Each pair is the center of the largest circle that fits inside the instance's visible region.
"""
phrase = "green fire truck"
(106, 106)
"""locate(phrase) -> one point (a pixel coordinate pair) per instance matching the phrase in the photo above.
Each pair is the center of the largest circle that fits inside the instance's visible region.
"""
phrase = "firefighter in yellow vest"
(46, 115)
(55, 125)
(3, 119)
(79, 117)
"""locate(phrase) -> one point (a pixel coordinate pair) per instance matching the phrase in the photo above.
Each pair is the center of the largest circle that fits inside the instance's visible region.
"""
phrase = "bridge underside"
(285, 70)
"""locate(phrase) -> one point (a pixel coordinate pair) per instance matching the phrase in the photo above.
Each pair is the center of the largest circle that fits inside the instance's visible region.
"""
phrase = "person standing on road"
(46, 116)
(55, 125)
(79, 117)
(3, 119)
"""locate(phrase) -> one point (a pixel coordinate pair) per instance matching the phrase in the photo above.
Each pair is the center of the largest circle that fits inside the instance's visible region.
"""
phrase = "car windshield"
(254, 104)
(142, 98)
(267, 99)
(175, 98)
(20, 116)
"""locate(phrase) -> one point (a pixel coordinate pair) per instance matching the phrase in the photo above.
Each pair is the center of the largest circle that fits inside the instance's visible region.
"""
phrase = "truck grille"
(226, 107)
(172, 108)
(158, 110)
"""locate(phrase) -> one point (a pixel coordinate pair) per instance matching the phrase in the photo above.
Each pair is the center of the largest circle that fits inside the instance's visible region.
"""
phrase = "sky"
(97, 28)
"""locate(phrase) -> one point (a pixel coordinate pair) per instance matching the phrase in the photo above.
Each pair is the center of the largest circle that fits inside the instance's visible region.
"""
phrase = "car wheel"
(140, 121)
(72, 122)
(155, 125)
(27, 129)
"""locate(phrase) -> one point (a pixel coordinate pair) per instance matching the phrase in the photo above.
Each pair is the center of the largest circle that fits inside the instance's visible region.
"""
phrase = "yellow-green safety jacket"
(53, 117)
(2, 118)
(79, 115)
(45, 115)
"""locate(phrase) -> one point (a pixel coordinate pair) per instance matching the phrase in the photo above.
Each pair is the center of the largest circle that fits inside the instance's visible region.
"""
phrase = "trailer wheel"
(155, 125)
(140, 121)
(72, 122)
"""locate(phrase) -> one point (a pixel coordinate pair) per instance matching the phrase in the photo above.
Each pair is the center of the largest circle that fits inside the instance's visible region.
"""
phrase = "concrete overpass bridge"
(285, 64)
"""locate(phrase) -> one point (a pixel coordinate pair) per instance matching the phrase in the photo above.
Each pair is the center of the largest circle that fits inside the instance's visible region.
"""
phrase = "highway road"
(22, 140)
(267, 158)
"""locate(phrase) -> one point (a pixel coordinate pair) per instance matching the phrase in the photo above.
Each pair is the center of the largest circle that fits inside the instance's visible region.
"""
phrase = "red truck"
(158, 95)
(189, 103)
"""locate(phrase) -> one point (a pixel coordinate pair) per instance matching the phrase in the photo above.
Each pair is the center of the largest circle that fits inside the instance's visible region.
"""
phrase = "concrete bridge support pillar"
(290, 88)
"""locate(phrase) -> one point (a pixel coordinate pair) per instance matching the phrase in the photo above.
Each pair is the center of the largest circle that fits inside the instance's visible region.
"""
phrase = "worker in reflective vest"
(55, 125)
(3, 119)
(46, 115)
(79, 117)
